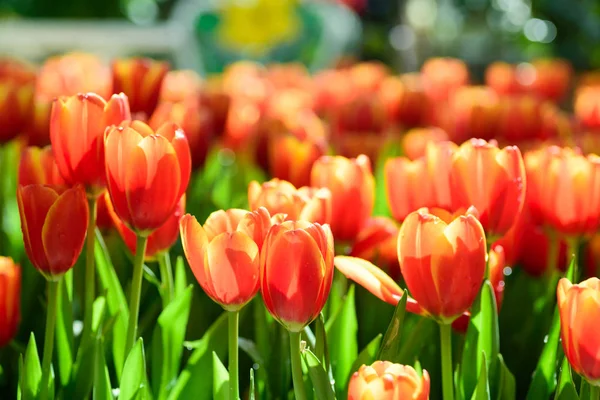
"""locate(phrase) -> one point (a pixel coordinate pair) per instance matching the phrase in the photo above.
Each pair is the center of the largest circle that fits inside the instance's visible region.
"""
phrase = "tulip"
(550, 78)
(10, 300)
(502, 78)
(384, 380)
(196, 121)
(377, 243)
(242, 123)
(178, 86)
(414, 141)
(37, 166)
(147, 172)
(140, 79)
(474, 113)
(520, 118)
(404, 100)
(587, 106)
(579, 307)
(54, 223)
(352, 187)
(367, 77)
(332, 89)
(287, 103)
(490, 179)
(279, 196)
(442, 76)
(16, 97)
(292, 75)
(77, 125)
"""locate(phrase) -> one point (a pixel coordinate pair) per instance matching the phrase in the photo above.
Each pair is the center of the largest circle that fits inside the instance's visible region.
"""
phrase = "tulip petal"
(195, 243)
(223, 221)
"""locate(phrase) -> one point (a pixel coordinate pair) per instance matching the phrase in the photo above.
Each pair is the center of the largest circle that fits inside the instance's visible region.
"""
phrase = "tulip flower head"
(16, 97)
(147, 172)
(384, 380)
(10, 299)
(443, 261)
(502, 78)
(579, 307)
(296, 271)
(54, 223)
(178, 86)
(587, 106)
(224, 253)
(352, 187)
(443, 76)
(77, 125)
(37, 165)
(414, 141)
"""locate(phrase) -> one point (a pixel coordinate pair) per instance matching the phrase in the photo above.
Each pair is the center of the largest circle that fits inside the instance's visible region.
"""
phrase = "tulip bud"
(140, 79)
(10, 299)
(383, 380)
(442, 76)
(296, 271)
(147, 172)
(16, 97)
(38, 166)
(579, 307)
(77, 126)
(352, 187)
(54, 223)
(442, 261)
(224, 254)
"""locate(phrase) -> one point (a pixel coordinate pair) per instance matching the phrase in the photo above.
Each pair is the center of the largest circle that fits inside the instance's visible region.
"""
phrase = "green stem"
(594, 392)
(446, 341)
(552, 273)
(166, 274)
(90, 268)
(234, 386)
(573, 251)
(136, 289)
(299, 389)
(49, 338)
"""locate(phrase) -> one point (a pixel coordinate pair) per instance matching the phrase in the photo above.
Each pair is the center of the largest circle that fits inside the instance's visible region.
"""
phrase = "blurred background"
(205, 35)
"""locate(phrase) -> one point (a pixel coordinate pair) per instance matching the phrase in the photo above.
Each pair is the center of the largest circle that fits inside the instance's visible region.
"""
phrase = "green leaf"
(565, 389)
(220, 379)
(195, 381)
(117, 303)
(321, 349)
(341, 332)
(251, 349)
(263, 328)
(507, 384)
(368, 355)
(252, 394)
(482, 390)
(390, 348)
(180, 276)
(102, 386)
(31, 374)
(482, 337)
(167, 345)
(64, 328)
(133, 382)
(150, 276)
(318, 376)
(544, 377)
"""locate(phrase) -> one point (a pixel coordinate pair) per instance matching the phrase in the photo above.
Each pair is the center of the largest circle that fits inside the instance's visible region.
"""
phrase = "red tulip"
(579, 307)
(442, 262)
(550, 78)
(367, 77)
(38, 166)
(490, 179)
(178, 86)
(386, 381)
(77, 126)
(502, 78)
(224, 253)
(296, 271)
(140, 79)
(54, 223)
(352, 188)
(442, 76)
(587, 106)
(414, 142)
(147, 172)
(10, 300)
(16, 97)
(474, 113)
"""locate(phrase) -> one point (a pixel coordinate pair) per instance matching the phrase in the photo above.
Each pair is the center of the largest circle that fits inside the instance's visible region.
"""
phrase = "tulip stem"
(299, 389)
(166, 272)
(573, 251)
(552, 259)
(594, 392)
(90, 267)
(136, 290)
(234, 386)
(446, 342)
(49, 338)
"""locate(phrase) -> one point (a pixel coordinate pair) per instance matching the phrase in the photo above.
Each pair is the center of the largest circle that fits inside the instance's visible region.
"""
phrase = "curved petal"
(195, 244)
(223, 221)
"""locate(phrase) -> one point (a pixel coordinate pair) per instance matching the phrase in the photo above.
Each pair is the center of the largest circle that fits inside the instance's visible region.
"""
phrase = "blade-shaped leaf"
(252, 394)
(565, 389)
(390, 347)
(31, 374)
(544, 377)
(341, 332)
(318, 376)
(507, 384)
(102, 386)
(134, 382)
(220, 379)
(482, 390)
(180, 276)
(64, 328)
(368, 355)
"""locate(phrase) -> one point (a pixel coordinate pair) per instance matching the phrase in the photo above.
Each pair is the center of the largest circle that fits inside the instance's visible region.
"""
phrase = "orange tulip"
(474, 113)
(404, 100)
(77, 126)
(564, 189)
(502, 78)
(179, 86)
(292, 75)
(490, 179)
(424, 182)
(159, 241)
(279, 196)
(377, 242)
(195, 120)
(368, 76)
(442, 261)
(352, 188)
(54, 223)
(414, 142)
(224, 254)
(579, 307)
(442, 76)
(286, 103)
(332, 89)
(16, 97)
(296, 271)
(140, 79)
(386, 381)
(147, 172)
(38, 166)
(587, 106)
(10, 300)
(550, 78)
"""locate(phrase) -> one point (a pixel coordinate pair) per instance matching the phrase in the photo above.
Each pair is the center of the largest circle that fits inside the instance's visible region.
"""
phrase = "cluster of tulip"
(126, 142)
